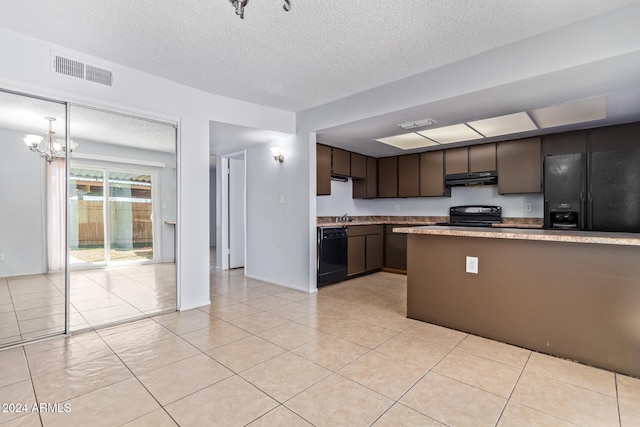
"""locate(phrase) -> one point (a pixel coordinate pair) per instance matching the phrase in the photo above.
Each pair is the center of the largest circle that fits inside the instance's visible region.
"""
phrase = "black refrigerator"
(613, 202)
(598, 192)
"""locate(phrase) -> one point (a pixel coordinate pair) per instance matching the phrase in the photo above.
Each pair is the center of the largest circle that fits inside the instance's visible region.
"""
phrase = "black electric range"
(473, 216)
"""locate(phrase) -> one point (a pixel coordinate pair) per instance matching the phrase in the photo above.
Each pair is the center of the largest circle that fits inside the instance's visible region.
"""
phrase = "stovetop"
(474, 216)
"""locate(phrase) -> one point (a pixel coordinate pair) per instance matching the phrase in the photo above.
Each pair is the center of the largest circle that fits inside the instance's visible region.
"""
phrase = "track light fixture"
(240, 5)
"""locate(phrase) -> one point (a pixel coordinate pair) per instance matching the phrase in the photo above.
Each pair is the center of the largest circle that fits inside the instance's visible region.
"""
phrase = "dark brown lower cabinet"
(364, 249)
(355, 255)
(374, 251)
(395, 254)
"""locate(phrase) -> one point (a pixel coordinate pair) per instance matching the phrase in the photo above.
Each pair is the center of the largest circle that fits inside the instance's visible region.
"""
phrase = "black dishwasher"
(332, 255)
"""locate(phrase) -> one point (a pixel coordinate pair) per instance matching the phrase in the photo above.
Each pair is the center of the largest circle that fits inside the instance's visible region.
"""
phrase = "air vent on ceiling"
(99, 75)
(73, 68)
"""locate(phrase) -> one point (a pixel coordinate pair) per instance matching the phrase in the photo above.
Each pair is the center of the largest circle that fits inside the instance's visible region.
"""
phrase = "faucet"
(343, 218)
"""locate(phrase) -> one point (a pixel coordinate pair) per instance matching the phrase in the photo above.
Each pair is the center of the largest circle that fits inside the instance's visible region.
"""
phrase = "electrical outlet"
(282, 198)
(1, 256)
(527, 207)
(397, 208)
(472, 264)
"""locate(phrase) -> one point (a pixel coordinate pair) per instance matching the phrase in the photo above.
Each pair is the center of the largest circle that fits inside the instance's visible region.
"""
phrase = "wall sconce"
(277, 154)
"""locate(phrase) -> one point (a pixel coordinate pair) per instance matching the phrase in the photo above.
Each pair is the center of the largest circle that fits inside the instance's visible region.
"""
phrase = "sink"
(340, 219)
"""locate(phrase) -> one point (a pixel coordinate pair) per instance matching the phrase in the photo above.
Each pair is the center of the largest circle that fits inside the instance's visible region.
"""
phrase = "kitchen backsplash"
(341, 202)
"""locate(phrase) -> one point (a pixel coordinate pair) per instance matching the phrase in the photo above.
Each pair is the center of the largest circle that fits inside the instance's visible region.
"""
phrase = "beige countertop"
(603, 238)
(420, 220)
(323, 221)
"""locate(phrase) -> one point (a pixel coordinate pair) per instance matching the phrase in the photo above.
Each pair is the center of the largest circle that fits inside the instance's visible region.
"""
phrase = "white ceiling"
(318, 52)
(323, 51)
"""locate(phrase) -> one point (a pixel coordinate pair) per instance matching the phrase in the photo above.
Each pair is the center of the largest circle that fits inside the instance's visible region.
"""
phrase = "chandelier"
(50, 148)
(240, 4)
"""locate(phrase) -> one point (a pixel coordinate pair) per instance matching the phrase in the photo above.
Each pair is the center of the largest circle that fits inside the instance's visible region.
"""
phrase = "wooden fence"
(130, 223)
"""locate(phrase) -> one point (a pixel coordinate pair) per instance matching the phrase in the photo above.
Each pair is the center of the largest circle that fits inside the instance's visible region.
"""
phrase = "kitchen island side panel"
(574, 300)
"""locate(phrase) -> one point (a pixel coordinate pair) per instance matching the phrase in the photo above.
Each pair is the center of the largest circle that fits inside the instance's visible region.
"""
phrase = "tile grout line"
(615, 382)
(514, 388)
(139, 382)
(35, 395)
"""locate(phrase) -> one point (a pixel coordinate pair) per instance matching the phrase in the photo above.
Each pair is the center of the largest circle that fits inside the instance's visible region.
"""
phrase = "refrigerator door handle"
(589, 211)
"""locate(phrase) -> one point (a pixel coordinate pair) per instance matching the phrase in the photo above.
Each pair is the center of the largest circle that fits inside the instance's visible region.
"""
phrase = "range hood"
(474, 178)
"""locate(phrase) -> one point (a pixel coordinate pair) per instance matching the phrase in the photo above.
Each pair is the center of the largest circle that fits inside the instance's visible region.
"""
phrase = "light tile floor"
(262, 355)
(34, 306)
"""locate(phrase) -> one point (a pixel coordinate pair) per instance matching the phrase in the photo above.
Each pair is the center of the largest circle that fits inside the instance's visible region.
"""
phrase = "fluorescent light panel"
(450, 134)
(407, 141)
(556, 115)
(585, 110)
(504, 125)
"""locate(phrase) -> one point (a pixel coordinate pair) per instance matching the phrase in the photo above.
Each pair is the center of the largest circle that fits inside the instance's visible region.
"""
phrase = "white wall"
(25, 67)
(340, 202)
(22, 189)
(277, 245)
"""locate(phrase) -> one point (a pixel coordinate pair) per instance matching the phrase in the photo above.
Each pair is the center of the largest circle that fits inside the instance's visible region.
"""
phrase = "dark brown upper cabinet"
(366, 188)
(409, 175)
(564, 143)
(323, 170)
(432, 175)
(519, 166)
(372, 178)
(456, 160)
(340, 162)
(482, 158)
(618, 137)
(388, 177)
(358, 166)
(476, 158)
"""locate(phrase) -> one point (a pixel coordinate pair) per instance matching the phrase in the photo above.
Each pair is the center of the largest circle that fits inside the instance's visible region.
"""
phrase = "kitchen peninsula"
(567, 293)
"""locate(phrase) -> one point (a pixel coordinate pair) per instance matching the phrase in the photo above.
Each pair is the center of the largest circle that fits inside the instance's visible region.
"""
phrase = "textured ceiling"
(319, 52)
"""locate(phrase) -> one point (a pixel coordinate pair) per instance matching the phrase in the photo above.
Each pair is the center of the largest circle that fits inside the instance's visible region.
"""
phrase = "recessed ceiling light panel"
(504, 125)
(407, 141)
(585, 110)
(450, 134)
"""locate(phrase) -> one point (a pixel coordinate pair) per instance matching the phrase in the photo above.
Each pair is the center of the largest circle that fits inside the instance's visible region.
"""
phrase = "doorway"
(233, 210)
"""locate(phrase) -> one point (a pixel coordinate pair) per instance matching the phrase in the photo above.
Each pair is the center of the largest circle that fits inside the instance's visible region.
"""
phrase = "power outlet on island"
(527, 207)
(472, 264)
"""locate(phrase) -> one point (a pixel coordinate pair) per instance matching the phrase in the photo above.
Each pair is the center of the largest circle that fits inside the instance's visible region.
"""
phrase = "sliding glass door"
(111, 217)
(122, 202)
